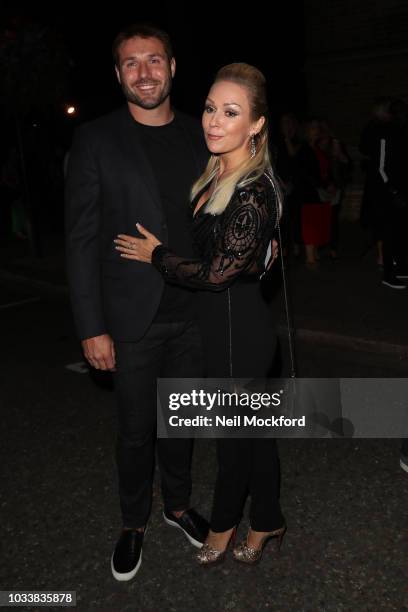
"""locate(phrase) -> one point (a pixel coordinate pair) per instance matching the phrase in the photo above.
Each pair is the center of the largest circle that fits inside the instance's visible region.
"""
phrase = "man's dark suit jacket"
(110, 187)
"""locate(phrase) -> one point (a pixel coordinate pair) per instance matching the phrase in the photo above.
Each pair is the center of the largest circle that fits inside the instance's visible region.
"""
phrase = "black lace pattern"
(229, 245)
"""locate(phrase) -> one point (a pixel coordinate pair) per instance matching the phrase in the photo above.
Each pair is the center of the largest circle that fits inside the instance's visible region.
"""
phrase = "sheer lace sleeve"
(243, 233)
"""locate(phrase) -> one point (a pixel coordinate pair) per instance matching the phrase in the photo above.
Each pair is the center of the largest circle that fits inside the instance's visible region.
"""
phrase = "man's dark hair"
(144, 30)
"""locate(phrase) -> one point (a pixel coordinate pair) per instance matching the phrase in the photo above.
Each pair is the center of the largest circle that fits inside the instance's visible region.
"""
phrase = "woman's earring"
(253, 146)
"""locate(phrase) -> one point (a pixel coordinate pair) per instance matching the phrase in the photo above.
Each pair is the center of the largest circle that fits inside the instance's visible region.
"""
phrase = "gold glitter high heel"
(207, 555)
(248, 554)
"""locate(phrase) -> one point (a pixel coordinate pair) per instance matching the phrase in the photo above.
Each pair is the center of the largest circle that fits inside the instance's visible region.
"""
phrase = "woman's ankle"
(219, 537)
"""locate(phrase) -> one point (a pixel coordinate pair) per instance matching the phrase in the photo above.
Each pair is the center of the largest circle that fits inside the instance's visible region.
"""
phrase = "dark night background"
(56, 55)
(325, 58)
(205, 37)
(345, 499)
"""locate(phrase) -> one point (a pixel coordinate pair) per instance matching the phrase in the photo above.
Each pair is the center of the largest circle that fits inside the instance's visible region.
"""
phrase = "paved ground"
(345, 500)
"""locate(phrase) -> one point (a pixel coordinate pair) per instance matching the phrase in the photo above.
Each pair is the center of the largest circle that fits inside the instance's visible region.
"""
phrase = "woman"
(235, 211)
(339, 171)
(316, 189)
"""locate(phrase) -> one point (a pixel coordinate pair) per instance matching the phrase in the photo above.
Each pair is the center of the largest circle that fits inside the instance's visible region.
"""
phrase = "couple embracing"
(168, 227)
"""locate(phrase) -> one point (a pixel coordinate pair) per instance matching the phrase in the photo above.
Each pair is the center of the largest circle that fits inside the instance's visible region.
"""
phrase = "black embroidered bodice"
(230, 245)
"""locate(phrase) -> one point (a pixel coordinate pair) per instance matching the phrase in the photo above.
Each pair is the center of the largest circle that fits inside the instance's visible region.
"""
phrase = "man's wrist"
(98, 335)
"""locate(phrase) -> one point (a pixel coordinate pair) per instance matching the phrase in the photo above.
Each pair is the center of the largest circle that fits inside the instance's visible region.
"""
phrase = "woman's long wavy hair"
(254, 82)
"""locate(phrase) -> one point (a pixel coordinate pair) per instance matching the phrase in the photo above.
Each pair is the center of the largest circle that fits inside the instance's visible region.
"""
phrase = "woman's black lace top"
(228, 245)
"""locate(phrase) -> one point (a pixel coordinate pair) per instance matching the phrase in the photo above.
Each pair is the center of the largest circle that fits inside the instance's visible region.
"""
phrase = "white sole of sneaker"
(393, 286)
(192, 541)
(128, 575)
(403, 465)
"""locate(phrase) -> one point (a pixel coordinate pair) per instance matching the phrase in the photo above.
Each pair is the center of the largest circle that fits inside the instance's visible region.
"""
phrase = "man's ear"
(172, 67)
(118, 74)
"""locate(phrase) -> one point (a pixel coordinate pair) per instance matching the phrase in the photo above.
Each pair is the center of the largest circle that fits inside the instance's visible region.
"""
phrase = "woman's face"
(227, 121)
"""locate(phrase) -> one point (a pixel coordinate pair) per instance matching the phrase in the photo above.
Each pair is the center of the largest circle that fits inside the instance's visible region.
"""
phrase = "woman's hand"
(139, 249)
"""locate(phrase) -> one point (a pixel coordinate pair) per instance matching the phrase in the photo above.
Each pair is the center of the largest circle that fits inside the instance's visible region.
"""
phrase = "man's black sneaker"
(127, 556)
(194, 526)
(394, 283)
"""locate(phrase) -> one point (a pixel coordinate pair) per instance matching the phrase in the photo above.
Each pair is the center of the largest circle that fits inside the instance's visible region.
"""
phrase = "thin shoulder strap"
(285, 291)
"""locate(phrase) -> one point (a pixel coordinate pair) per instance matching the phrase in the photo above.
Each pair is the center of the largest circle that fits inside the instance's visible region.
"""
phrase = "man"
(385, 191)
(392, 170)
(137, 164)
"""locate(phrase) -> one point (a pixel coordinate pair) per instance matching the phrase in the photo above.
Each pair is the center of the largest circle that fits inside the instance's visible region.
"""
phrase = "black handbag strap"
(285, 288)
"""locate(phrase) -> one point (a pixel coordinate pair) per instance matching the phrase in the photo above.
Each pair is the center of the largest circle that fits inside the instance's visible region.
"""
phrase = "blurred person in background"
(316, 189)
(384, 141)
(287, 148)
(375, 196)
(340, 171)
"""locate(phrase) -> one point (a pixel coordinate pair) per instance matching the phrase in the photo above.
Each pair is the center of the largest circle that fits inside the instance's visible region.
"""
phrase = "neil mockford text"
(207, 401)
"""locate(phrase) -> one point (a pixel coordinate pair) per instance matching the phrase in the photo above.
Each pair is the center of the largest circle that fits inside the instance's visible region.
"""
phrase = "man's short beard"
(132, 97)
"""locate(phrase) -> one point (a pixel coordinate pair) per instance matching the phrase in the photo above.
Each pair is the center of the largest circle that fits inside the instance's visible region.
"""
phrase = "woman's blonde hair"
(254, 82)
